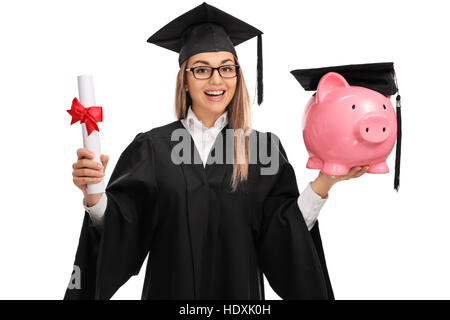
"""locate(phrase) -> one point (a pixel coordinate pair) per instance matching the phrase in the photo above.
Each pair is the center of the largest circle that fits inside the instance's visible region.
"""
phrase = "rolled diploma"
(91, 142)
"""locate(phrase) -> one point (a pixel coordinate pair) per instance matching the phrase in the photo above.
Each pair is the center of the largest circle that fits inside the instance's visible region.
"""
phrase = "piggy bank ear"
(329, 82)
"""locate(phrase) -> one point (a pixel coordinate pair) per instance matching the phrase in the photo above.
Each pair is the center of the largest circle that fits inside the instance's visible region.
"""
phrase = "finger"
(104, 158)
(85, 163)
(359, 174)
(87, 173)
(353, 171)
(83, 153)
(356, 169)
(362, 171)
(83, 180)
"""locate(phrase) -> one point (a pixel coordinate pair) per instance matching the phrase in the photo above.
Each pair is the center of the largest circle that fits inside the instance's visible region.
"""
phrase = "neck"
(207, 117)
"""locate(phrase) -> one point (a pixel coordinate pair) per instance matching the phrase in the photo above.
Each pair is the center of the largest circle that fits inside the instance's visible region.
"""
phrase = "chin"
(217, 106)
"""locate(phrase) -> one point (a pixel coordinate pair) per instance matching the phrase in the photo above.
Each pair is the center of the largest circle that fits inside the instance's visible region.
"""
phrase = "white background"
(379, 244)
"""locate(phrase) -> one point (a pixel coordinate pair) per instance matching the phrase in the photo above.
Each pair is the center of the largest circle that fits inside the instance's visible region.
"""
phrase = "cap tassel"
(399, 143)
(260, 71)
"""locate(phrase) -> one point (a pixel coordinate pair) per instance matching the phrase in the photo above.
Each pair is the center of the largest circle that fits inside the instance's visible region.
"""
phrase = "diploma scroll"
(92, 141)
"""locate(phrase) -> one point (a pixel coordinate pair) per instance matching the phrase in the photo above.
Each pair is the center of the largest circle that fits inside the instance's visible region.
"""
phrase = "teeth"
(214, 93)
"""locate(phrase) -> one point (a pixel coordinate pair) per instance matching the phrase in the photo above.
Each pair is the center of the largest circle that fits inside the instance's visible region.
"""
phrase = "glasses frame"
(213, 69)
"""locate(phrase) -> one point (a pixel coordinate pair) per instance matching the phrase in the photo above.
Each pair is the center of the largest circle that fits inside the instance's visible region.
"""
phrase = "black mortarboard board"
(379, 77)
(207, 29)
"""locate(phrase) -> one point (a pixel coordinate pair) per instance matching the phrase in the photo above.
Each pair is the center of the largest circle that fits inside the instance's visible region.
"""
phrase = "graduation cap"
(379, 77)
(208, 29)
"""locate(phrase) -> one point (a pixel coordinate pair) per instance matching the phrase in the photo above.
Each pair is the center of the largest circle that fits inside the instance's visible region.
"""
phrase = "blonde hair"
(239, 119)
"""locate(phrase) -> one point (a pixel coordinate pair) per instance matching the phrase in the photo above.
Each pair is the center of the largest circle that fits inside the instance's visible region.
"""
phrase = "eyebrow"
(207, 63)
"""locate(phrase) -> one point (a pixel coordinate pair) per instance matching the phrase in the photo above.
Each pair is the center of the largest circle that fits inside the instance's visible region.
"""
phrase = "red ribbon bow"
(90, 115)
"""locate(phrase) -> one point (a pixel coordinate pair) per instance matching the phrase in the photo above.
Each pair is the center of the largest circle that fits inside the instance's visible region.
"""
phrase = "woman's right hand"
(86, 171)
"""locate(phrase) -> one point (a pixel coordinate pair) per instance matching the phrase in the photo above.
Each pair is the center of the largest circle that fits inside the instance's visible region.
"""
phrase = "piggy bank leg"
(380, 167)
(335, 169)
(314, 163)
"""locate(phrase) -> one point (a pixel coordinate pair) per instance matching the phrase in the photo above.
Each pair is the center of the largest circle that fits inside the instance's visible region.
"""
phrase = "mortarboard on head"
(208, 29)
(379, 77)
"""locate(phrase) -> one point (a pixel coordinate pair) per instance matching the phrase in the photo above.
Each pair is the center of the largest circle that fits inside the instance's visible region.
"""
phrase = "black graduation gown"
(204, 241)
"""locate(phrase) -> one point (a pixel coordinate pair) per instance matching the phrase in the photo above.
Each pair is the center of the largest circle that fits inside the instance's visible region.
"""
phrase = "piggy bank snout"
(372, 128)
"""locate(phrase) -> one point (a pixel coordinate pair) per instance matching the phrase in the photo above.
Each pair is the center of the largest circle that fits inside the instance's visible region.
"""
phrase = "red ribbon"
(90, 115)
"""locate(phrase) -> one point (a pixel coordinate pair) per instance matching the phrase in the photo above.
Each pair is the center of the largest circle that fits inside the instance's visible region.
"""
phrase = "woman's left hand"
(324, 182)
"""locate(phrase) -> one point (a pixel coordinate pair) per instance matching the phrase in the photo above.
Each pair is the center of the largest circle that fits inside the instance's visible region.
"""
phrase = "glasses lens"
(202, 72)
(228, 71)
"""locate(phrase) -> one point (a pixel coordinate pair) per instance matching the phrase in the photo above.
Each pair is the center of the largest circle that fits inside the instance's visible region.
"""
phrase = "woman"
(212, 227)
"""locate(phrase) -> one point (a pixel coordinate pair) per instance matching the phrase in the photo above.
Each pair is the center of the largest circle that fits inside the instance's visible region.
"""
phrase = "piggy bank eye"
(384, 107)
(353, 107)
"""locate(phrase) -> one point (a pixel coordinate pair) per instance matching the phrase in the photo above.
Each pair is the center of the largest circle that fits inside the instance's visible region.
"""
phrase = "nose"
(373, 128)
(215, 77)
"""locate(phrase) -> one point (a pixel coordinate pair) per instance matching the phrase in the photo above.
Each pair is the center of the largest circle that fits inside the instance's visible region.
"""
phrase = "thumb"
(104, 158)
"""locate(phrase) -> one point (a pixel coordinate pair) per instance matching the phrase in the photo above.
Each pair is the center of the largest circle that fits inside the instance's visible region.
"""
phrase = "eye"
(202, 70)
(353, 107)
(384, 107)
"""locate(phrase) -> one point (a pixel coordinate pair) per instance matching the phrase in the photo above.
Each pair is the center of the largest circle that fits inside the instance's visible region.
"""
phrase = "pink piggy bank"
(346, 126)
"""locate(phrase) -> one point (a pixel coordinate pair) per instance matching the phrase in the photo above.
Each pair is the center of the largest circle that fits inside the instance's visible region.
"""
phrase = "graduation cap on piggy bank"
(350, 120)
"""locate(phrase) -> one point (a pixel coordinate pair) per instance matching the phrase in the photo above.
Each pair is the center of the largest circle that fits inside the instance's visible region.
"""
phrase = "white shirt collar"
(220, 123)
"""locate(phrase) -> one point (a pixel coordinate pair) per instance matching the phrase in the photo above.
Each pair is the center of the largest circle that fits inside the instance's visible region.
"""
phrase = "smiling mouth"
(215, 93)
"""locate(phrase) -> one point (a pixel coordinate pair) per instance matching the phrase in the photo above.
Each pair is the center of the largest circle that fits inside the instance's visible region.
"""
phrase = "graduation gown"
(204, 241)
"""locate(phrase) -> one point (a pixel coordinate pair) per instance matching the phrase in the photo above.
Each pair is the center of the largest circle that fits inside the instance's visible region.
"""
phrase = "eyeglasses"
(206, 72)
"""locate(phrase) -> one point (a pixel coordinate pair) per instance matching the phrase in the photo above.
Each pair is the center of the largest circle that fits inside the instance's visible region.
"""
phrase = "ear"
(328, 82)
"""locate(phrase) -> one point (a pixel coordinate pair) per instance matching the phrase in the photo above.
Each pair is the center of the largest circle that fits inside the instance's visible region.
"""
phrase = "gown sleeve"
(108, 256)
(290, 256)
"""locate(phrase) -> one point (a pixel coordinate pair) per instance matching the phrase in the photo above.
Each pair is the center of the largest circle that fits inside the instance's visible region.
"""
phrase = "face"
(213, 94)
